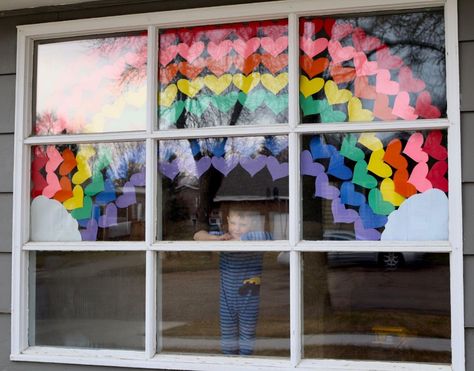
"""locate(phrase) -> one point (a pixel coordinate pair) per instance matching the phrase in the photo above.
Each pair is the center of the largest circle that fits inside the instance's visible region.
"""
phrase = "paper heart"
(169, 169)
(224, 165)
(387, 188)
(277, 170)
(218, 84)
(337, 167)
(363, 67)
(370, 141)
(54, 157)
(219, 50)
(402, 187)
(189, 35)
(90, 233)
(323, 189)
(402, 107)
(216, 146)
(247, 65)
(369, 219)
(128, 196)
(225, 102)
(336, 95)
(69, 162)
(275, 144)
(191, 88)
(392, 155)
(53, 185)
(365, 43)
(220, 66)
(424, 108)
(274, 83)
(275, 28)
(310, 27)
(103, 160)
(418, 177)
(203, 165)
(190, 53)
(110, 216)
(350, 196)
(277, 103)
(386, 60)
(167, 54)
(192, 70)
(167, 96)
(319, 149)
(274, 47)
(384, 84)
(246, 48)
(356, 112)
(173, 113)
(309, 106)
(218, 34)
(313, 68)
(341, 214)
(77, 200)
(377, 166)
(365, 234)
(308, 166)
(338, 53)
(253, 165)
(107, 195)
(167, 38)
(274, 63)
(349, 149)
(340, 30)
(167, 74)
(246, 83)
(96, 186)
(253, 100)
(408, 82)
(436, 176)
(85, 211)
(381, 108)
(246, 31)
(363, 89)
(433, 146)
(361, 177)
(377, 203)
(310, 87)
(139, 179)
(329, 115)
(413, 148)
(65, 193)
(197, 106)
(83, 170)
(341, 74)
(312, 48)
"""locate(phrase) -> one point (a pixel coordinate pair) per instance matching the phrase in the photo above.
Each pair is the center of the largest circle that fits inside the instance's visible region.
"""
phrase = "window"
(256, 186)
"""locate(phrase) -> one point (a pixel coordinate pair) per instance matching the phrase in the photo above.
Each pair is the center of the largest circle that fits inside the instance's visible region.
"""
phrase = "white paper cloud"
(50, 221)
(421, 217)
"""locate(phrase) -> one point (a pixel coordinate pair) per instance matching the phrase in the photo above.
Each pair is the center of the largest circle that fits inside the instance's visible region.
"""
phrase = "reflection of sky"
(81, 87)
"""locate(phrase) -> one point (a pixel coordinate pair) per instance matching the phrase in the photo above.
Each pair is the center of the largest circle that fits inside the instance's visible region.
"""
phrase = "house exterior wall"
(8, 23)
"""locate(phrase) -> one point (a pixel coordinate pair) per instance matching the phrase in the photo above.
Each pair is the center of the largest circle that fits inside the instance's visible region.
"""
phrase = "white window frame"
(292, 9)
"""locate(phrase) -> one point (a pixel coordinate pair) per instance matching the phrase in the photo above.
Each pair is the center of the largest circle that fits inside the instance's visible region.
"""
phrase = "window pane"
(87, 300)
(375, 186)
(88, 192)
(373, 68)
(205, 181)
(365, 306)
(229, 302)
(232, 74)
(90, 85)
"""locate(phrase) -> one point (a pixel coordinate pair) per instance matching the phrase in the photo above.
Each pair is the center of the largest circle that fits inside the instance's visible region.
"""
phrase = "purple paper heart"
(341, 214)
(128, 197)
(90, 233)
(276, 169)
(324, 189)
(169, 169)
(110, 216)
(253, 165)
(225, 165)
(368, 234)
(138, 179)
(203, 165)
(308, 166)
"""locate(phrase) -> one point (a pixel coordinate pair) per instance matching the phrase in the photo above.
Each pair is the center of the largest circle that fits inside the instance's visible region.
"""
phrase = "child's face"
(238, 225)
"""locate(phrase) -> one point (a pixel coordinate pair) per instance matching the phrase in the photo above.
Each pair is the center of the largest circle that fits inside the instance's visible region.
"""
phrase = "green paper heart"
(225, 102)
(308, 106)
(172, 114)
(96, 186)
(377, 203)
(361, 177)
(252, 100)
(329, 115)
(85, 211)
(104, 159)
(349, 149)
(197, 106)
(277, 103)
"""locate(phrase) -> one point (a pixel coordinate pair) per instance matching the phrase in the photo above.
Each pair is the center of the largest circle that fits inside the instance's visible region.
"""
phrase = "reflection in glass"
(220, 75)
(91, 85)
(228, 302)
(381, 67)
(87, 300)
(375, 186)
(88, 192)
(203, 179)
(356, 306)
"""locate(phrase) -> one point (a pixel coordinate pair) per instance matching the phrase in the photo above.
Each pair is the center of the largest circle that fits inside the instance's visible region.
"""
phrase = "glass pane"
(375, 186)
(90, 85)
(243, 300)
(220, 75)
(377, 306)
(373, 68)
(206, 182)
(87, 300)
(88, 192)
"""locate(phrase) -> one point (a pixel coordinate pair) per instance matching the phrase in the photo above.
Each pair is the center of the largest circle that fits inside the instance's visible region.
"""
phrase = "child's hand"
(226, 237)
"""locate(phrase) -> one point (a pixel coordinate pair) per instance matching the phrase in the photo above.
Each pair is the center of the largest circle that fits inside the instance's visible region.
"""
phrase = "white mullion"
(150, 308)
(296, 299)
(87, 138)
(293, 71)
(399, 246)
(276, 246)
(86, 246)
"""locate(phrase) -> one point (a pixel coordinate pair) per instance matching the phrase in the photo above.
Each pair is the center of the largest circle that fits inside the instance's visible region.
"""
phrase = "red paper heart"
(246, 31)
(310, 27)
(189, 35)
(401, 183)
(408, 82)
(247, 65)
(69, 162)
(424, 108)
(168, 73)
(393, 155)
(219, 67)
(342, 74)
(436, 175)
(313, 67)
(275, 29)
(328, 26)
(364, 43)
(433, 146)
(66, 190)
(274, 64)
(192, 70)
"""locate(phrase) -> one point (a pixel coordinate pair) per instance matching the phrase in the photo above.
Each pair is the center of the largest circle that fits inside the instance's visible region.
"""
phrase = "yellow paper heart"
(190, 88)
(83, 170)
(356, 112)
(246, 83)
(274, 83)
(167, 96)
(77, 199)
(370, 141)
(310, 87)
(336, 95)
(387, 187)
(218, 84)
(86, 151)
(377, 165)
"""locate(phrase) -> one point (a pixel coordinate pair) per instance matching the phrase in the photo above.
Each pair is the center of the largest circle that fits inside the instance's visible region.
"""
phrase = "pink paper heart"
(408, 82)
(53, 185)
(387, 60)
(341, 30)
(168, 54)
(402, 108)
(274, 47)
(246, 48)
(363, 66)
(384, 84)
(365, 43)
(54, 157)
(312, 48)
(338, 53)
(418, 177)
(413, 148)
(218, 51)
(191, 53)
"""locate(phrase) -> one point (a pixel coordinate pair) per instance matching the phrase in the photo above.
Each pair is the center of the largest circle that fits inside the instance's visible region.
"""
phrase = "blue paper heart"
(351, 197)
(95, 215)
(195, 148)
(320, 150)
(216, 146)
(370, 219)
(107, 195)
(275, 145)
(337, 168)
